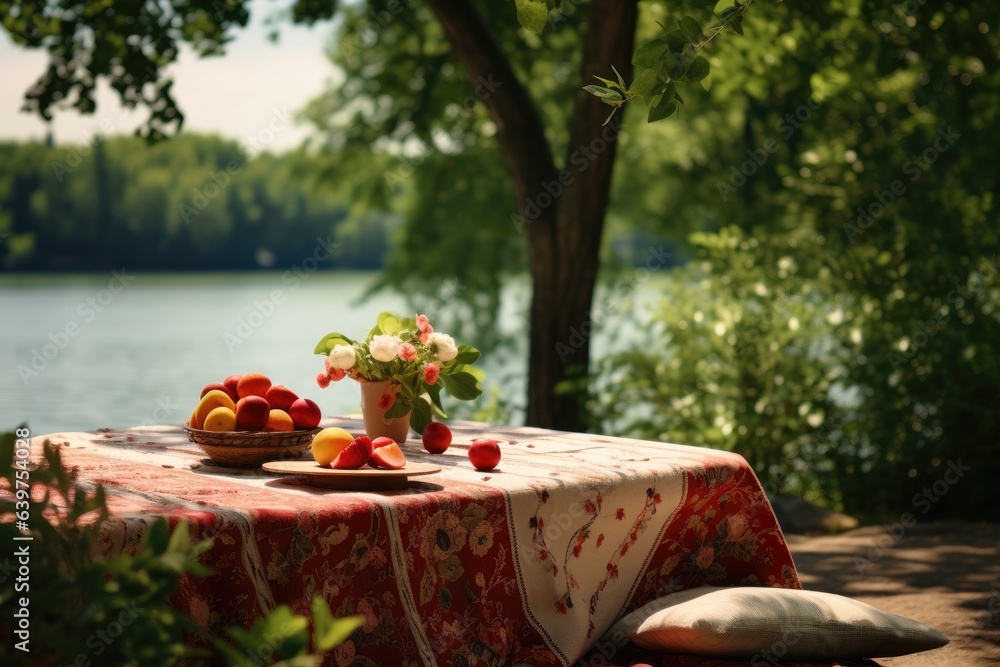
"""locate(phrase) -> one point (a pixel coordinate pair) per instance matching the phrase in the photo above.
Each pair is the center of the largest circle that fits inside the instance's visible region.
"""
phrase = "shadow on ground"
(946, 575)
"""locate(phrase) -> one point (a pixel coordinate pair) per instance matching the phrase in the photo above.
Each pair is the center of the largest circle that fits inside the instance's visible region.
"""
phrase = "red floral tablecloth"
(525, 565)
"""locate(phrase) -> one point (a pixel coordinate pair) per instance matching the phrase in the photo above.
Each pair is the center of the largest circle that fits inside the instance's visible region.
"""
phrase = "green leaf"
(698, 70)
(421, 415)
(463, 386)
(467, 354)
(665, 105)
(608, 96)
(621, 81)
(692, 29)
(532, 14)
(648, 54)
(328, 631)
(388, 323)
(647, 84)
(737, 25)
(610, 83)
(331, 340)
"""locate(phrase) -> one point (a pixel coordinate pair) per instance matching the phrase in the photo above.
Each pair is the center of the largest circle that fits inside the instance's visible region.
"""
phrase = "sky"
(236, 95)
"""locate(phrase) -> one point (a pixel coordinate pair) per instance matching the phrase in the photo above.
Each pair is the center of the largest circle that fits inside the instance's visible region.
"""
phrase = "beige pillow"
(771, 624)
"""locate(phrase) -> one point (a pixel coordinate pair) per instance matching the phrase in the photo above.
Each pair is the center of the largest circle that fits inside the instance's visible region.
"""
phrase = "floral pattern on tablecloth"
(528, 565)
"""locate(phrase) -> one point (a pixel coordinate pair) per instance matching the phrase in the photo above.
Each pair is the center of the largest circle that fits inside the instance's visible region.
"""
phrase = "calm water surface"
(83, 352)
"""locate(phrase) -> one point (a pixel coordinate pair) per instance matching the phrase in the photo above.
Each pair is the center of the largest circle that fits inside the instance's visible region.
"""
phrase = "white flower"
(442, 345)
(343, 357)
(384, 348)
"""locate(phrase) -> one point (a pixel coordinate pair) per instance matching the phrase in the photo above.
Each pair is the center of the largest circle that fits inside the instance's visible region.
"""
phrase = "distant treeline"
(195, 202)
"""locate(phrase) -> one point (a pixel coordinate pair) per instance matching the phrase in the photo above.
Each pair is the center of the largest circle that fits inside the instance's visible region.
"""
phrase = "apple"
(436, 438)
(305, 413)
(484, 454)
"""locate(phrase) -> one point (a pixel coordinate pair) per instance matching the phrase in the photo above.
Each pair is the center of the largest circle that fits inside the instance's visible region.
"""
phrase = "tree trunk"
(561, 213)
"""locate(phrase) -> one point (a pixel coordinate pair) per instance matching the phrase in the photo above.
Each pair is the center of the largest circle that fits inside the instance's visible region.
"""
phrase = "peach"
(220, 387)
(305, 413)
(280, 397)
(232, 383)
(193, 421)
(436, 438)
(388, 456)
(484, 454)
(213, 399)
(354, 455)
(328, 444)
(278, 420)
(253, 384)
(252, 413)
(220, 419)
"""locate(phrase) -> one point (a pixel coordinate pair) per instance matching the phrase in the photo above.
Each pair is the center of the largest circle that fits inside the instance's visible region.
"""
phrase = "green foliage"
(893, 373)
(193, 203)
(668, 59)
(116, 611)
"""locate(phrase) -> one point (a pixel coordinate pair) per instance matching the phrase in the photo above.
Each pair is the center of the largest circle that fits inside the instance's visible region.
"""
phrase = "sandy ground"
(946, 575)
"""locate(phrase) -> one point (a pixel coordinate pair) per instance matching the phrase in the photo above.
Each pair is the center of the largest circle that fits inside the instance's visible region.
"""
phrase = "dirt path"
(946, 575)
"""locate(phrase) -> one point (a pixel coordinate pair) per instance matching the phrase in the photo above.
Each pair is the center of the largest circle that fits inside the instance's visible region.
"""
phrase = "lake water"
(94, 351)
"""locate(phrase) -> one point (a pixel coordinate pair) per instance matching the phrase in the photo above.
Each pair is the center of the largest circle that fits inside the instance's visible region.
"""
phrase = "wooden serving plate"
(357, 480)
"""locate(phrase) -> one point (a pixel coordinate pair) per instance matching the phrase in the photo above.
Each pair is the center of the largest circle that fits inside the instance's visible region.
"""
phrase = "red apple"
(280, 397)
(305, 413)
(388, 456)
(355, 455)
(437, 438)
(252, 413)
(484, 454)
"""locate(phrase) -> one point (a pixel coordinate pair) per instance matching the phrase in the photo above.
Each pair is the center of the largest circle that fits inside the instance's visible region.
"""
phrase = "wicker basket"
(248, 449)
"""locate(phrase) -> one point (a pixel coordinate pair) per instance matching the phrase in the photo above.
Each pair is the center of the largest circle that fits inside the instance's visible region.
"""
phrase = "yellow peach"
(328, 443)
(220, 419)
(216, 398)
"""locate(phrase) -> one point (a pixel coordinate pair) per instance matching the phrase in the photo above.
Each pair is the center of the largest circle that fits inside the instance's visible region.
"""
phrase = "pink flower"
(323, 380)
(337, 374)
(387, 401)
(425, 328)
(407, 352)
(431, 373)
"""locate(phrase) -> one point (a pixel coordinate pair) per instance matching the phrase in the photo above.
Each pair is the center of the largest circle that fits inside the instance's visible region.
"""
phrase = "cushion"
(772, 624)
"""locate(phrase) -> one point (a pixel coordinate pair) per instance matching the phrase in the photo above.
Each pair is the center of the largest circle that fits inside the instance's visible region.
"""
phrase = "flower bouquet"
(412, 363)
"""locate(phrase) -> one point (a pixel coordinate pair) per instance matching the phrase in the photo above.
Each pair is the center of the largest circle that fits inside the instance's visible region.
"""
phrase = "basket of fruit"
(245, 421)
